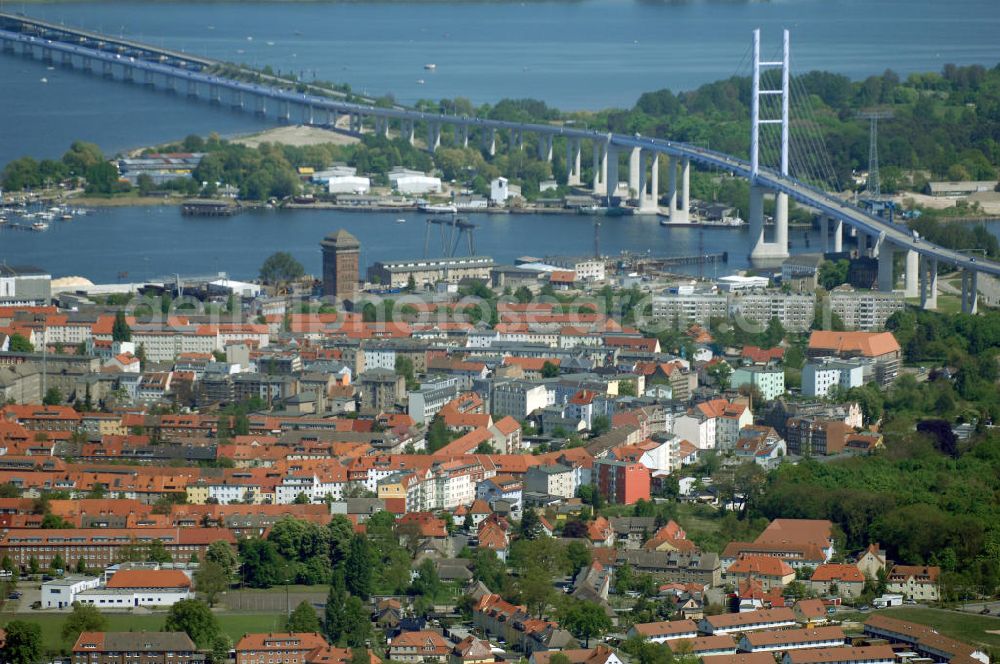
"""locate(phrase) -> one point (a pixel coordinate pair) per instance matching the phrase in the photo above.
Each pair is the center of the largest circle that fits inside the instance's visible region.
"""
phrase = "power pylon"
(873, 189)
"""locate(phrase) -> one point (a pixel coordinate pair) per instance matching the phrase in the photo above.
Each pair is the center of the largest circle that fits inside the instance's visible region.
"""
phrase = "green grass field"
(233, 624)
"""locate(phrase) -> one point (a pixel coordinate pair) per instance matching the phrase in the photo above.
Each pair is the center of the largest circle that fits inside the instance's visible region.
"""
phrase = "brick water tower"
(341, 271)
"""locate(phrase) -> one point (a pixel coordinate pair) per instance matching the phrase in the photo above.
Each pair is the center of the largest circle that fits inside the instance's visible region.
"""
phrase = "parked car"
(37, 604)
(14, 595)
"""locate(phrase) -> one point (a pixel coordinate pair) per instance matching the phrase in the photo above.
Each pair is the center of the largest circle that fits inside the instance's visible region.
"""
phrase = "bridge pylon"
(778, 247)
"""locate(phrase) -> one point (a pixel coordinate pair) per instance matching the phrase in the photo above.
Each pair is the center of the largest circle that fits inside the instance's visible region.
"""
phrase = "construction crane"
(451, 231)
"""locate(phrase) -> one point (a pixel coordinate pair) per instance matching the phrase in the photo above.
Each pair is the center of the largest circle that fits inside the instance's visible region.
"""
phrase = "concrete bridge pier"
(286, 115)
(970, 291)
(928, 283)
(237, 100)
(545, 147)
(307, 115)
(649, 187)
(261, 105)
(838, 235)
(192, 89)
(600, 187)
(680, 201)
(490, 141)
(517, 137)
(911, 287)
(66, 60)
(635, 172)
(409, 131)
(573, 161)
(464, 130)
(611, 185)
(106, 70)
(433, 136)
(87, 64)
(671, 186)
(781, 221)
(47, 55)
(886, 274)
(215, 95)
(128, 74)
(147, 78)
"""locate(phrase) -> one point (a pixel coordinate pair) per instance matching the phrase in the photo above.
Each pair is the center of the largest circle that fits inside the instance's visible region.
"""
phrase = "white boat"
(66, 216)
(401, 221)
(420, 81)
(438, 209)
(40, 226)
(430, 66)
(3, 220)
(44, 80)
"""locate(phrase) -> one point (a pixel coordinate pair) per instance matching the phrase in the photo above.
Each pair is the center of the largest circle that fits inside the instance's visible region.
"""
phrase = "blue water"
(587, 54)
(154, 242)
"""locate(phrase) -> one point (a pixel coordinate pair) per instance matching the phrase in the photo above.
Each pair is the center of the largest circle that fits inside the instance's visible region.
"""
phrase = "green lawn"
(233, 624)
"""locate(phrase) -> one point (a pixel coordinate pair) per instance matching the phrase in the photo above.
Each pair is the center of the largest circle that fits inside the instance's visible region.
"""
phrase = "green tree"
(531, 525)
(211, 580)
(261, 563)
(358, 567)
(303, 619)
(53, 397)
(577, 557)
(601, 424)
(585, 620)
(221, 553)
(195, 618)
(523, 294)
(334, 620)
(120, 330)
(549, 369)
(157, 552)
(280, 269)
(357, 624)
(83, 618)
(9, 490)
(57, 562)
(23, 642)
(18, 343)
(219, 652)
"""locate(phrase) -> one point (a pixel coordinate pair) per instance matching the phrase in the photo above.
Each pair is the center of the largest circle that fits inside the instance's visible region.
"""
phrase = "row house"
(925, 641)
(102, 547)
(749, 621)
(136, 648)
(842, 655)
(660, 632)
(792, 639)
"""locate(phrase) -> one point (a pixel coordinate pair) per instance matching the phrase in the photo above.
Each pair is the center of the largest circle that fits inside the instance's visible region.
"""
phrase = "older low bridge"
(148, 65)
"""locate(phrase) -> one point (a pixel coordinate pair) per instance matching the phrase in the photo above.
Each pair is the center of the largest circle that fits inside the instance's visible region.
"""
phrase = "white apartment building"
(795, 310)
(864, 310)
(821, 375)
(554, 480)
(519, 399)
(690, 308)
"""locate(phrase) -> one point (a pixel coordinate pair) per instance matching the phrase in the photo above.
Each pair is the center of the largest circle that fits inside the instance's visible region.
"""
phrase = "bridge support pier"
(928, 282)
(545, 147)
(649, 187)
(464, 129)
(192, 89)
(573, 161)
(838, 236)
(886, 273)
(262, 105)
(106, 70)
(237, 99)
(635, 168)
(128, 74)
(600, 187)
(672, 186)
(611, 185)
(680, 201)
(433, 136)
(490, 142)
(408, 131)
(147, 78)
(66, 60)
(517, 137)
(87, 64)
(970, 292)
(911, 288)
(781, 221)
